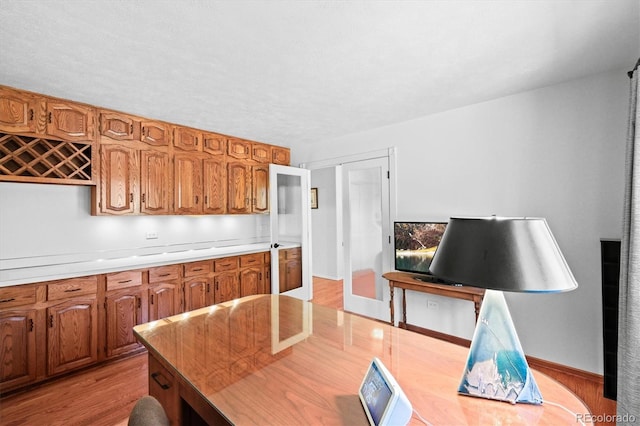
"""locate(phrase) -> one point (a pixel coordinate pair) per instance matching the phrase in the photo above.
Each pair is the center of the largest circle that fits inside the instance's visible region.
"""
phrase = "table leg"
(404, 309)
(477, 301)
(391, 304)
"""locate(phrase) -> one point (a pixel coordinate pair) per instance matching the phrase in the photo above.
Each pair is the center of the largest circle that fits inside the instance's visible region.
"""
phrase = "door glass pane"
(289, 232)
(366, 232)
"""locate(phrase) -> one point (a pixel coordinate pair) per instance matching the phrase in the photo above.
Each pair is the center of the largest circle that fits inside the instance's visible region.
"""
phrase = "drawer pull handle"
(124, 282)
(164, 275)
(71, 290)
(164, 386)
(7, 300)
(198, 269)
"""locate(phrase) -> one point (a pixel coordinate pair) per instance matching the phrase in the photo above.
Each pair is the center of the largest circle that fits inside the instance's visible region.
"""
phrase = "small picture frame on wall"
(314, 198)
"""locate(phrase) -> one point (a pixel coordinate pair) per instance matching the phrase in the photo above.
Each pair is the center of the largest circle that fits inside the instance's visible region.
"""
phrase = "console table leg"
(404, 309)
(391, 304)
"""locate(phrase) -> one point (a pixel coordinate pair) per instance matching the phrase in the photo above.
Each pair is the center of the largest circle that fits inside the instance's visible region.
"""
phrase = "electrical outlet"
(432, 305)
(151, 235)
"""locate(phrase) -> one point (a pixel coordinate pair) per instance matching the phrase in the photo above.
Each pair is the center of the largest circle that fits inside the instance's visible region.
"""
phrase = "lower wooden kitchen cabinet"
(18, 329)
(55, 327)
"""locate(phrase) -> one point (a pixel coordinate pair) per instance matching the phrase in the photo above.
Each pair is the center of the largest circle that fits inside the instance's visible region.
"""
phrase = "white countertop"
(24, 271)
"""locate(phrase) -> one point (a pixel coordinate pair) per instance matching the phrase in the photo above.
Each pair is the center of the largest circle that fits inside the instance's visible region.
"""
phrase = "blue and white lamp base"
(496, 367)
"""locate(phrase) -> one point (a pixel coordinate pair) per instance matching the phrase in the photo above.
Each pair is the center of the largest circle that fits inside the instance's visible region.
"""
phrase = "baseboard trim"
(586, 385)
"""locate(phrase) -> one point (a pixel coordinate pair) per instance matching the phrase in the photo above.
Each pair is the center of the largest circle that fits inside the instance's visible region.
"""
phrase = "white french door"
(366, 227)
(289, 196)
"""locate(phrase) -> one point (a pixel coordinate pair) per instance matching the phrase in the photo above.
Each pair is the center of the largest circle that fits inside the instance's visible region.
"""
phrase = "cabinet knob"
(50, 117)
(31, 114)
(50, 321)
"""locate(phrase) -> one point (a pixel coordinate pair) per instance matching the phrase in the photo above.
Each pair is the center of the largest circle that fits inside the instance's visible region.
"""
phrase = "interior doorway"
(351, 227)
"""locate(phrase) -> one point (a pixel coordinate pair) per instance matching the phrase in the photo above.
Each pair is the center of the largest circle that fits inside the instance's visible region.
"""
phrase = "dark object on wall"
(610, 257)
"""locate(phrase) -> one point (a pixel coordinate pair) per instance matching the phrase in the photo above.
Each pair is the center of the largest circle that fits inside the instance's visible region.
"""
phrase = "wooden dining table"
(277, 360)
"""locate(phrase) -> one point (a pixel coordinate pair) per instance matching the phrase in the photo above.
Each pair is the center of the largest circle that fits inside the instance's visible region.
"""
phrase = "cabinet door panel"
(261, 152)
(72, 335)
(195, 293)
(187, 184)
(250, 281)
(122, 314)
(70, 121)
(18, 111)
(227, 287)
(239, 188)
(164, 301)
(18, 355)
(116, 126)
(155, 133)
(239, 149)
(280, 155)
(214, 144)
(215, 185)
(154, 186)
(117, 179)
(187, 139)
(260, 189)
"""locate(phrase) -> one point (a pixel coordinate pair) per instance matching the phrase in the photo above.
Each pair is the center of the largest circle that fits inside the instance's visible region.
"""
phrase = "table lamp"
(500, 254)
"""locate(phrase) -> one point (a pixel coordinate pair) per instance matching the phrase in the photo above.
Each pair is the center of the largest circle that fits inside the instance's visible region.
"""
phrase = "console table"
(415, 282)
(271, 359)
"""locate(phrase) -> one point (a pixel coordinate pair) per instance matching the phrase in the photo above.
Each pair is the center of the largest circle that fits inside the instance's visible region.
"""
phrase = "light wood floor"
(104, 396)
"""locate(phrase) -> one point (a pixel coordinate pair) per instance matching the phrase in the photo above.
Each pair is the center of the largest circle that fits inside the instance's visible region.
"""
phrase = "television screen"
(415, 244)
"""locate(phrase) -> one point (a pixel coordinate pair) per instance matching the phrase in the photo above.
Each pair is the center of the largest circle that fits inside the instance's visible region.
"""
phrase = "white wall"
(556, 152)
(326, 263)
(39, 221)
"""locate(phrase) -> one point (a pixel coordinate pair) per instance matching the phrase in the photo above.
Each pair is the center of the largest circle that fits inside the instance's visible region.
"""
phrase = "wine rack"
(35, 159)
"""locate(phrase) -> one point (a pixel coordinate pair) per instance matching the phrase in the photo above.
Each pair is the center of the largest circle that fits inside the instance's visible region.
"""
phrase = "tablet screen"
(376, 393)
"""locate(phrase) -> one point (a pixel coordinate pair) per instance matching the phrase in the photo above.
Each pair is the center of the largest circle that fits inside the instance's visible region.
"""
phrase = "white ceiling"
(290, 72)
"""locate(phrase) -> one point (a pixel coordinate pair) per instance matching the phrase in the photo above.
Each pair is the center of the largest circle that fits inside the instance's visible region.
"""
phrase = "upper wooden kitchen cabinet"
(187, 139)
(70, 121)
(29, 113)
(239, 149)
(260, 189)
(187, 191)
(155, 182)
(21, 112)
(135, 175)
(199, 184)
(280, 155)
(118, 180)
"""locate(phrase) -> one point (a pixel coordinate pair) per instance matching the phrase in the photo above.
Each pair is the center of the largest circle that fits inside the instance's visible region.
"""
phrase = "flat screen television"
(415, 245)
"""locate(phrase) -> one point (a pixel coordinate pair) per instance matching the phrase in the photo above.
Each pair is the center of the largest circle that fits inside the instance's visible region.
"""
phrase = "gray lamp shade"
(509, 254)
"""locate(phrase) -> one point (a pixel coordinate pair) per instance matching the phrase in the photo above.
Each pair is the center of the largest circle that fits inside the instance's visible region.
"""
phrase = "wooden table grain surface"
(277, 360)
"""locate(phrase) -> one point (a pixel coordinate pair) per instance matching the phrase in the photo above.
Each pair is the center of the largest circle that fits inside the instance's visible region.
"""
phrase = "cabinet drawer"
(225, 264)
(72, 287)
(17, 295)
(251, 260)
(124, 279)
(164, 273)
(197, 268)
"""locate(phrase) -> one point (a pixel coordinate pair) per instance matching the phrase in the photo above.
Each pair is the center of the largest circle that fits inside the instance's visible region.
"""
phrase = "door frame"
(390, 154)
(306, 291)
